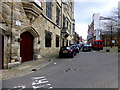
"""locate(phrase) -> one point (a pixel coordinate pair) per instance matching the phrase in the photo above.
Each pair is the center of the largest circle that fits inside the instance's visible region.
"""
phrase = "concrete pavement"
(26, 68)
(111, 50)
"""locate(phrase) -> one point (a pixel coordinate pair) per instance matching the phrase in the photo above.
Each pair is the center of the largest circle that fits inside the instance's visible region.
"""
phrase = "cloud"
(81, 29)
(84, 9)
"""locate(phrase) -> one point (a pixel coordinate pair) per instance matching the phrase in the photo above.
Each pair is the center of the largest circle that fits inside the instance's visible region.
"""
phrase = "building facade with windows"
(91, 36)
(68, 23)
(32, 30)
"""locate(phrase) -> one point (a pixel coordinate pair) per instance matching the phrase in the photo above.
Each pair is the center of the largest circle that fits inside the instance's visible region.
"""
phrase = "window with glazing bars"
(49, 9)
(57, 41)
(57, 15)
(48, 39)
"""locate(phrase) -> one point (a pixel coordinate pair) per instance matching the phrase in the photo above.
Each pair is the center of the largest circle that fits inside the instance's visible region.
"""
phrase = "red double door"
(26, 46)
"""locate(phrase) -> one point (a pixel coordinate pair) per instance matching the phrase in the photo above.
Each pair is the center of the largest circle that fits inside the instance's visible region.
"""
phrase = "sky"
(84, 9)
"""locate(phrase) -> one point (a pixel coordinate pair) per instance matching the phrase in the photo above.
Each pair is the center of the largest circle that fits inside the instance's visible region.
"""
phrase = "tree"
(110, 25)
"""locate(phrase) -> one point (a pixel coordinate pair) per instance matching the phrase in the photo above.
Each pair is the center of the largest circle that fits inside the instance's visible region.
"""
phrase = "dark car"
(67, 51)
(76, 47)
(86, 47)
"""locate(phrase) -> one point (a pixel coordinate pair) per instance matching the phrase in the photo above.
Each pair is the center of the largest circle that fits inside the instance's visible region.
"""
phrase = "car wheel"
(60, 56)
(72, 56)
(75, 53)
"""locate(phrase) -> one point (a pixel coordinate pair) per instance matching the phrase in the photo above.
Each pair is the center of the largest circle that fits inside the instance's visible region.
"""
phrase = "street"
(85, 70)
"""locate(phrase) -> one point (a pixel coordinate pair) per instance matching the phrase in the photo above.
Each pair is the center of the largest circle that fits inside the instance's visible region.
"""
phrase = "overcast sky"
(84, 9)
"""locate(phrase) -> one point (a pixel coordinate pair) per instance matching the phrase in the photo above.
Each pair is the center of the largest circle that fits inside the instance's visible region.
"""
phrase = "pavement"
(109, 50)
(26, 68)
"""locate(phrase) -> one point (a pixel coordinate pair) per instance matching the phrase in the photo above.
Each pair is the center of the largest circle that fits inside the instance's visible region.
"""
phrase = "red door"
(26, 46)
(1, 51)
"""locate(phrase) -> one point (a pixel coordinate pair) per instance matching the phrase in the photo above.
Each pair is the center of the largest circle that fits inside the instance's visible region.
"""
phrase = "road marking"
(50, 87)
(40, 82)
(48, 84)
(35, 87)
(38, 77)
(19, 87)
(54, 63)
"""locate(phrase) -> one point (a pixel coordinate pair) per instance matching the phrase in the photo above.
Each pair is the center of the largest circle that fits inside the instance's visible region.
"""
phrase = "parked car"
(67, 51)
(80, 46)
(76, 47)
(86, 47)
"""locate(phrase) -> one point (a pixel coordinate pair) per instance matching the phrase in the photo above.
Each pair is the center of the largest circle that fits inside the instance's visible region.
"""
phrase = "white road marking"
(50, 87)
(54, 63)
(20, 86)
(49, 84)
(38, 77)
(40, 82)
(35, 87)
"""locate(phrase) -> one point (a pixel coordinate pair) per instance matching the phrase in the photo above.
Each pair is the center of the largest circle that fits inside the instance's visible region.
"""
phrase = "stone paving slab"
(111, 50)
(25, 67)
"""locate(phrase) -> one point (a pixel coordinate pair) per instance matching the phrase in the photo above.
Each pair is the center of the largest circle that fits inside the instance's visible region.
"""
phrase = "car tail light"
(71, 50)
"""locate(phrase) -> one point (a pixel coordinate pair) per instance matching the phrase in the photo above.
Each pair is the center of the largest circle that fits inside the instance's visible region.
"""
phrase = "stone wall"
(48, 25)
(17, 22)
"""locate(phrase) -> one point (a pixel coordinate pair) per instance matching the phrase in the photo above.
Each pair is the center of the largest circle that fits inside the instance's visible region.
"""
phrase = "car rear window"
(63, 48)
(86, 45)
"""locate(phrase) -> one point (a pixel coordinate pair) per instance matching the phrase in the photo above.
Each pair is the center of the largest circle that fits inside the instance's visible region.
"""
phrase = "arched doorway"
(26, 46)
(1, 51)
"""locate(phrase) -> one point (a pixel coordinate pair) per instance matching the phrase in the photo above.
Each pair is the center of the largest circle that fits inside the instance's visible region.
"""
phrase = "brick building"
(91, 32)
(30, 30)
(110, 39)
(96, 32)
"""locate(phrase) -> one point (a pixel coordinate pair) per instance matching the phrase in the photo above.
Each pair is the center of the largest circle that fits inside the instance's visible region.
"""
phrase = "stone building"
(29, 31)
(68, 23)
(76, 38)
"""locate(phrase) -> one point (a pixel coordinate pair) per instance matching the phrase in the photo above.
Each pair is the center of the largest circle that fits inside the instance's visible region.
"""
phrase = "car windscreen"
(74, 45)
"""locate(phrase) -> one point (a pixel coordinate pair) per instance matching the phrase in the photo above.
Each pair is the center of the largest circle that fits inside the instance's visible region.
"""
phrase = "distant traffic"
(73, 49)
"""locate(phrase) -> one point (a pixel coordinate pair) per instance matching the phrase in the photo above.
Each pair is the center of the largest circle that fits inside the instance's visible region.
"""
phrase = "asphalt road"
(85, 70)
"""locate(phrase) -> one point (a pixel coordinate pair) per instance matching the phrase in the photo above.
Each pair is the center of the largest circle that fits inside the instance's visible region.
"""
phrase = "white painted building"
(96, 25)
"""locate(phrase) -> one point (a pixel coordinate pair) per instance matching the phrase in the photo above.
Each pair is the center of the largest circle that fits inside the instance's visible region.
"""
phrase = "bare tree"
(111, 23)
